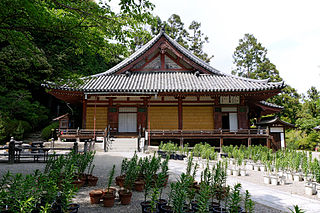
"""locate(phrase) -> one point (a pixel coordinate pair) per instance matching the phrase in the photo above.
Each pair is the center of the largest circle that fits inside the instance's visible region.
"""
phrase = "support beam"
(249, 141)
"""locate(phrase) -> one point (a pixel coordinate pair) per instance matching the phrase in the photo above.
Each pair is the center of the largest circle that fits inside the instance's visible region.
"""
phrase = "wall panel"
(101, 117)
(197, 117)
(163, 117)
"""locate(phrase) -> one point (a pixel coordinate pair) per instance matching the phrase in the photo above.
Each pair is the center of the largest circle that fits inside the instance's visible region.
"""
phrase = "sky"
(288, 29)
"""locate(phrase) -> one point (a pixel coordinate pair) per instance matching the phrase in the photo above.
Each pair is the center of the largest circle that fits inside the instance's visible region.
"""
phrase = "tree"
(191, 38)
(250, 59)
(309, 114)
(59, 40)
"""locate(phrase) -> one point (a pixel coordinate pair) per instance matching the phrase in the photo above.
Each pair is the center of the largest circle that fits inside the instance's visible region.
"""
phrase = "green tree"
(251, 61)
(59, 40)
(309, 114)
(192, 38)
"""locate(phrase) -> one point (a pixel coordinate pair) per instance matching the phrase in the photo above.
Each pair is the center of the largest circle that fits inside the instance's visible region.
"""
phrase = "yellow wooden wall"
(197, 117)
(163, 117)
(101, 117)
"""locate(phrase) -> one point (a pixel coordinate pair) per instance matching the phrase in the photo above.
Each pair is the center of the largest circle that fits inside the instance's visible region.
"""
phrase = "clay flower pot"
(108, 199)
(126, 198)
(78, 183)
(139, 185)
(120, 180)
(95, 196)
(92, 180)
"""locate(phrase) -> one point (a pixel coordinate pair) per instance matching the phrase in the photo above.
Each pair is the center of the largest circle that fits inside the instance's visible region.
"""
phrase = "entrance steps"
(124, 145)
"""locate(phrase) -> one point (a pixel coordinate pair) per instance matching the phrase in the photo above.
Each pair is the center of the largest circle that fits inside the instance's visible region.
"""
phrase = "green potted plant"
(92, 180)
(162, 182)
(148, 178)
(248, 203)
(234, 200)
(120, 179)
(109, 193)
(130, 177)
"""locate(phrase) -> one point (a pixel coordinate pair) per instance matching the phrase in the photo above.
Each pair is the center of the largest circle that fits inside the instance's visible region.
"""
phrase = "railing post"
(75, 147)
(85, 147)
(52, 142)
(11, 150)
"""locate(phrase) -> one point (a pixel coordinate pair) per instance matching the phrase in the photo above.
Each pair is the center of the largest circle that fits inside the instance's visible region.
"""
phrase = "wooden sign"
(229, 99)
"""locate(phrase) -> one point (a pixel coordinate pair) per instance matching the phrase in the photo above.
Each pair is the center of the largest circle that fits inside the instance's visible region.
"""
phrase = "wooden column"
(269, 143)
(180, 113)
(84, 113)
(217, 118)
(221, 143)
(249, 141)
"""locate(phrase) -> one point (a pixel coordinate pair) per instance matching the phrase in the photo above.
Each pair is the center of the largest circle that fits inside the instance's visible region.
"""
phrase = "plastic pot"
(144, 205)
(73, 208)
(161, 202)
(166, 209)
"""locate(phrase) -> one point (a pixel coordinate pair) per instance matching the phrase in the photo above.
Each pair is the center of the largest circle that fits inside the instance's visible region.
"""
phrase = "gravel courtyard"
(105, 161)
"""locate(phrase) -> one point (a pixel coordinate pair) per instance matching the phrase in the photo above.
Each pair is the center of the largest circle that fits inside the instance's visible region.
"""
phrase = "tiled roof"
(271, 105)
(170, 82)
(154, 82)
(272, 120)
(148, 45)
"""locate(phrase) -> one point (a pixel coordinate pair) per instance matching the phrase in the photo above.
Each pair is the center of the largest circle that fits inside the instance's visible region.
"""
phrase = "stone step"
(124, 145)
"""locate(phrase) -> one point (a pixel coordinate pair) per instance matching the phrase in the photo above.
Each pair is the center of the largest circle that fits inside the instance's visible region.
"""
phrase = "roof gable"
(165, 52)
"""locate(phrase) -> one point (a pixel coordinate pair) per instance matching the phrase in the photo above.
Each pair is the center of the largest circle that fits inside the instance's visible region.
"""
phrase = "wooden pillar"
(11, 156)
(221, 143)
(181, 141)
(249, 141)
(269, 143)
(84, 113)
(180, 113)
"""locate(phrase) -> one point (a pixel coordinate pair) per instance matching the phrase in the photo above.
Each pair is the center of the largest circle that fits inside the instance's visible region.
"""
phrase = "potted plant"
(234, 200)
(120, 179)
(130, 177)
(92, 180)
(266, 176)
(109, 193)
(297, 160)
(248, 203)
(95, 196)
(148, 177)
(162, 182)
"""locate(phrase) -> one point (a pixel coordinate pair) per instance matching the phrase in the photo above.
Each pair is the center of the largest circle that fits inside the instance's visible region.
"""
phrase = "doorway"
(127, 119)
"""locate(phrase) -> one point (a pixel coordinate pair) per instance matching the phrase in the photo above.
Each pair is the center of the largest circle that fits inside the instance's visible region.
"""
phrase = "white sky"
(289, 29)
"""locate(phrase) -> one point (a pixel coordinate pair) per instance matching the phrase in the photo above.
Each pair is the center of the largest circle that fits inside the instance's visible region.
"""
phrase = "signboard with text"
(228, 99)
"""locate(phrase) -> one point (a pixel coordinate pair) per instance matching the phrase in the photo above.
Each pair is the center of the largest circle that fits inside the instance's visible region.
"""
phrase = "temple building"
(163, 92)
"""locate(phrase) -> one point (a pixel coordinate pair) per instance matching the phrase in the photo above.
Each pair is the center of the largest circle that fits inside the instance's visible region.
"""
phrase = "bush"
(16, 128)
(46, 132)
(297, 139)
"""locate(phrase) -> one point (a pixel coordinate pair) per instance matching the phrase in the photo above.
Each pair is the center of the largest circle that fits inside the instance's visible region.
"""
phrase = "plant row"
(48, 191)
